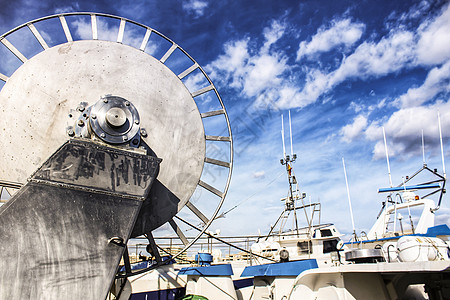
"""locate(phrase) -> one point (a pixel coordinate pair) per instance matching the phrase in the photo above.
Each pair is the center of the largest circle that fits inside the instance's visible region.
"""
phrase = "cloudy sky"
(344, 69)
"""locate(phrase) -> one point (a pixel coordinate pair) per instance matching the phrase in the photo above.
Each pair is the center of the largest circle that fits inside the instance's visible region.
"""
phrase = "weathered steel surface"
(58, 231)
(88, 166)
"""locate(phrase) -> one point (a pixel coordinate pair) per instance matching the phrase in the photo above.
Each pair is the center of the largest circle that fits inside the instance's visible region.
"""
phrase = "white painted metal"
(94, 27)
(211, 287)
(387, 158)
(423, 148)
(168, 53)
(290, 134)
(282, 137)
(188, 71)
(121, 31)
(442, 145)
(360, 281)
(3, 77)
(202, 91)
(66, 28)
(13, 49)
(145, 40)
(38, 36)
(426, 219)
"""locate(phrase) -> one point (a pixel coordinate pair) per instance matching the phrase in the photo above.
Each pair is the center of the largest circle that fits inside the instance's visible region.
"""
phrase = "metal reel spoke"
(154, 248)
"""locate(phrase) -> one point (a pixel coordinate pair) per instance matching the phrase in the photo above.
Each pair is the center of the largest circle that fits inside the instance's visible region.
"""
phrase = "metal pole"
(290, 133)
(442, 146)
(349, 200)
(282, 137)
(387, 158)
(423, 148)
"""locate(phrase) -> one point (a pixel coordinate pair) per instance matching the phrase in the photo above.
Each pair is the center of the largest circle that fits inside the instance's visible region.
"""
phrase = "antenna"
(290, 133)
(423, 149)
(282, 137)
(349, 200)
(442, 146)
(387, 157)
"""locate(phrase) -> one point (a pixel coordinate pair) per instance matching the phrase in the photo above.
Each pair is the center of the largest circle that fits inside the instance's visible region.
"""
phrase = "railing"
(223, 252)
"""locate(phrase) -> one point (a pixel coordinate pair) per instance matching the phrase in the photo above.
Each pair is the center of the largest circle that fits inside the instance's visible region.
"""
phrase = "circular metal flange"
(114, 119)
(364, 255)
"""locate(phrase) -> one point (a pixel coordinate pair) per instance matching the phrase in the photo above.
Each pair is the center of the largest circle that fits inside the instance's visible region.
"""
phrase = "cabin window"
(325, 232)
(329, 246)
(304, 247)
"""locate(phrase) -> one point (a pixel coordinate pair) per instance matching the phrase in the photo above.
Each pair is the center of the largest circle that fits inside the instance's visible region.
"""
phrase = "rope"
(225, 242)
(257, 192)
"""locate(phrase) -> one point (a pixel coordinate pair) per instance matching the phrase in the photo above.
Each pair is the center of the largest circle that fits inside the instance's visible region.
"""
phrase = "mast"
(282, 137)
(287, 161)
(349, 202)
(387, 158)
(423, 149)
(292, 159)
(442, 145)
(290, 133)
(294, 193)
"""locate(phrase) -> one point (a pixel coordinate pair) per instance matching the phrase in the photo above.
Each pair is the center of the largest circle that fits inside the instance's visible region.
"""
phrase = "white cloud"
(230, 67)
(378, 105)
(355, 129)
(342, 32)
(404, 127)
(263, 71)
(373, 131)
(437, 81)
(258, 73)
(416, 11)
(389, 55)
(259, 174)
(272, 34)
(71, 8)
(433, 45)
(394, 149)
(370, 59)
(265, 74)
(197, 7)
(84, 30)
(356, 107)
(398, 50)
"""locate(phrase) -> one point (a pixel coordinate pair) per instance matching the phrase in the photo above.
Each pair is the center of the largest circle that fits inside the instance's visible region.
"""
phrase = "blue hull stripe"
(242, 283)
(174, 294)
(431, 232)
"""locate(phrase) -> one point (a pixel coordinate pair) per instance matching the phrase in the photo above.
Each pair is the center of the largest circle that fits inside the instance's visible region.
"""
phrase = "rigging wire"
(222, 215)
(254, 194)
(223, 241)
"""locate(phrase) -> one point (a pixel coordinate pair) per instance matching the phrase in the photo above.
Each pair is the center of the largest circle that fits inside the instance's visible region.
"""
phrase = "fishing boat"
(402, 256)
(315, 244)
(405, 255)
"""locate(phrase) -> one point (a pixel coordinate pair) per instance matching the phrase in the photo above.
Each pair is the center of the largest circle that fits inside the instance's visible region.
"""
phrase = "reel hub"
(112, 119)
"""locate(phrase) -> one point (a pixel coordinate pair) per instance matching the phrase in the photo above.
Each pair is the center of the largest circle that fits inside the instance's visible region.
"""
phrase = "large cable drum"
(117, 93)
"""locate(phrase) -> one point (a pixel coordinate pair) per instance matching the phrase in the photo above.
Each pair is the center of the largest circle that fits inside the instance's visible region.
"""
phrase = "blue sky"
(344, 69)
